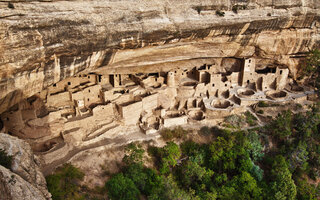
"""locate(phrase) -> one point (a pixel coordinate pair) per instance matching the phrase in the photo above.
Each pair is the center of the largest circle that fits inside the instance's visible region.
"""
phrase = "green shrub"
(166, 134)
(5, 159)
(260, 112)
(307, 190)
(257, 172)
(121, 187)
(169, 134)
(311, 68)
(282, 185)
(134, 154)
(205, 130)
(255, 147)
(298, 106)
(169, 157)
(282, 125)
(234, 121)
(262, 104)
(250, 119)
(63, 184)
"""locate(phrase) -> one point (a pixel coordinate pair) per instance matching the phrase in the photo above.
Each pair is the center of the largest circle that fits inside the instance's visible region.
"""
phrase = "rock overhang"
(45, 42)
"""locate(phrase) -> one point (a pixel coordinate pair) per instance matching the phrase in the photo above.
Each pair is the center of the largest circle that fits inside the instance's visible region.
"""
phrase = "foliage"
(169, 157)
(282, 184)
(250, 118)
(169, 134)
(147, 180)
(255, 147)
(170, 190)
(256, 172)
(243, 186)
(122, 188)
(235, 165)
(205, 130)
(299, 156)
(5, 159)
(63, 183)
(311, 67)
(262, 104)
(235, 121)
(307, 191)
(260, 112)
(134, 154)
(281, 126)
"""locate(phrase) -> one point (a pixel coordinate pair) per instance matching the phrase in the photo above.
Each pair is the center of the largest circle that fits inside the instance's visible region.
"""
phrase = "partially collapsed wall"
(81, 109)
(46, 42)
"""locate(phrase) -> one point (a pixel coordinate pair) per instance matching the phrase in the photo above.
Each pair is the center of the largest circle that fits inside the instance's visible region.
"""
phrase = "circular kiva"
(245, 92)
(277, 94)
(196, 115)
(221, 104)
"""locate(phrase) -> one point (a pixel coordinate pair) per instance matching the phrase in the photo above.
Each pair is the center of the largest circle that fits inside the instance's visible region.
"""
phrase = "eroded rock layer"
(25, 180)
(45, 42)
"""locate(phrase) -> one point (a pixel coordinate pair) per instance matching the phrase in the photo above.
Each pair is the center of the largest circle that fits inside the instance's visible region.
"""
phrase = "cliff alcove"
(79, 75)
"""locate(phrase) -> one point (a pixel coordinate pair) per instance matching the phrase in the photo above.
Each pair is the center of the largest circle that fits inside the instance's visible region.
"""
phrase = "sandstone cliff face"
(25, 181)
(13, 187)
(44, 42)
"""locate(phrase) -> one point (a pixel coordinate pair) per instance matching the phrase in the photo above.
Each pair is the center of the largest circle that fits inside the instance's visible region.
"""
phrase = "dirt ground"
(100, 163)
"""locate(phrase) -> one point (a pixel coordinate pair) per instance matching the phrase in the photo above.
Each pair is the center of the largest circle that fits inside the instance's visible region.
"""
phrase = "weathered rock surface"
(44, 42)
(26, 180)
(13, 187)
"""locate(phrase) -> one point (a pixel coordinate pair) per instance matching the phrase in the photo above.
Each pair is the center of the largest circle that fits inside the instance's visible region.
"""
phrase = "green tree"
(299, 157)
(311, 68)
(222, 156)
(169, 157)
(306, 191)
(122, 188)
(64, 183)
(193, 175)
(257, 172)
(245, 187)
(145, 179)
(282, 185)
(282, 126)
(170, 190)
(134, 154)
(195, 152)
(255, 147)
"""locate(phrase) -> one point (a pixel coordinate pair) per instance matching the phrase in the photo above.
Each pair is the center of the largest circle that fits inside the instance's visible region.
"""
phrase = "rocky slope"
(25, 180)
(44, 42)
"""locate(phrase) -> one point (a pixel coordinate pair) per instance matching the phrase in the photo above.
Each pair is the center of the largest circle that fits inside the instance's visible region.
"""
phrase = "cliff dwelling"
(82, 81)
(89, 107)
